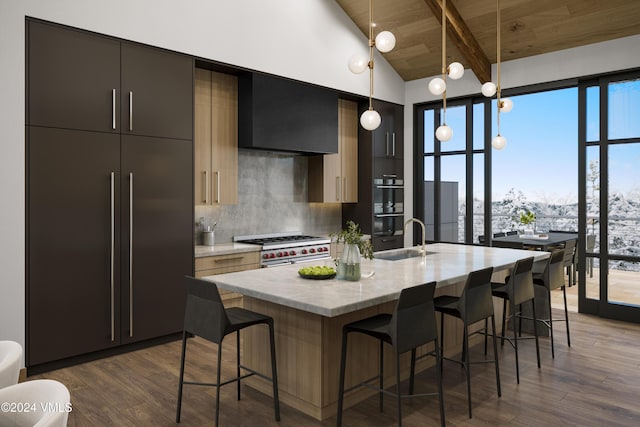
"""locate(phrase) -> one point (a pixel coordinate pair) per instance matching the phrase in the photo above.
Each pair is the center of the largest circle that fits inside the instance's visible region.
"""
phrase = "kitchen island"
(309, 315)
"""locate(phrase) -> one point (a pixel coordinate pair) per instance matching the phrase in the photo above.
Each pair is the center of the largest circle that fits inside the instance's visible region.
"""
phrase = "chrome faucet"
(409, 221)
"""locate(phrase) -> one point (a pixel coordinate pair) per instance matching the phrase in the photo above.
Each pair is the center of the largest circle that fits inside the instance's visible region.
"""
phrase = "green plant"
(353, 236)
(527, 217)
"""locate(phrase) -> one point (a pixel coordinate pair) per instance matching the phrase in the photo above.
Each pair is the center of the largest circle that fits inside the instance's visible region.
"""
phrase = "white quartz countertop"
(224, 249)
(446, 263)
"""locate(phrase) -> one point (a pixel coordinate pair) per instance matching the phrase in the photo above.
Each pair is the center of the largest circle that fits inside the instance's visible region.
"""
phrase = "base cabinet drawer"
(219, 264)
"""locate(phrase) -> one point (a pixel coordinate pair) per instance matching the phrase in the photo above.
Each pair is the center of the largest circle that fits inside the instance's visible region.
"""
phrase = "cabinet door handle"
(393, 145)
(113, 109)
(206, 187)
(217, 186)
(387, 140)
(130, 254)
(112, 254)
(130, 111)
(337, 188)
(346, 189)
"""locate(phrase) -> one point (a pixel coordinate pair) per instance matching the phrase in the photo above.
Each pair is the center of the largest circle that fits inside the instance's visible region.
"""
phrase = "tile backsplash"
(272, 198)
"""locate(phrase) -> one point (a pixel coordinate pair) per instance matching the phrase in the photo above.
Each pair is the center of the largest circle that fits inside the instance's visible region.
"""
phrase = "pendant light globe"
(506, 105)
(489, 89)
(437, 86)
(358, 63)
(444, 133)
(370, 119)
(499, 142)
(456, 70)
(385, 41)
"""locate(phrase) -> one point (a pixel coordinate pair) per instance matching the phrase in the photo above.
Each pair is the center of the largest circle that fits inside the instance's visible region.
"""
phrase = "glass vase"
(349, 264)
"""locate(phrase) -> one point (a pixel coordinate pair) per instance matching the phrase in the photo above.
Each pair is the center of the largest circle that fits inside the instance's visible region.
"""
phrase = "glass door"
(610, 189)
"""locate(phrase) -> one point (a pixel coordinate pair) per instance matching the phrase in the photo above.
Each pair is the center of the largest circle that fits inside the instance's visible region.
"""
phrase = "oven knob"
(304, 251)
(265, 256)
(312, 250)
(286, 253)
(323, 249)
(292, 253)
(279, 254)
(272, 255)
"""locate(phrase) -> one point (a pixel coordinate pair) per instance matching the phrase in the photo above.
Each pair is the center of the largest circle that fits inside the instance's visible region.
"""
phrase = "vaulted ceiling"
(528, 27)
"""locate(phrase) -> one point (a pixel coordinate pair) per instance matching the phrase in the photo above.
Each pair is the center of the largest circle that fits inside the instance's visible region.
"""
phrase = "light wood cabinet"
(216, 138)
(208, 266)
(333, 178)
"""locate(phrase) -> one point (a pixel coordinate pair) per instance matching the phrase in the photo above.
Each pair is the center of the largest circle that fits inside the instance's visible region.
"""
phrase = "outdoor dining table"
(540, 241)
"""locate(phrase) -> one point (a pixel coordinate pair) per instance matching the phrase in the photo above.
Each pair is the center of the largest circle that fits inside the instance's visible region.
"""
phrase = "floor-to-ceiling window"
(451, 174)
(537, 171)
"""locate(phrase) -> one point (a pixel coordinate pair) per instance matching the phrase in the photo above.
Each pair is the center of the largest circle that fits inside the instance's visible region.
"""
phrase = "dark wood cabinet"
(73, 79)
(156, 236)
(78, 80)
(380, 208)
(388, 140)
(109, 212)
(157, 93)
(70, 306)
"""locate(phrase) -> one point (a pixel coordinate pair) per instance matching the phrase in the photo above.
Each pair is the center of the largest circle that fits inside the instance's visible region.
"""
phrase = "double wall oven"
(288, 248)
(388, 207)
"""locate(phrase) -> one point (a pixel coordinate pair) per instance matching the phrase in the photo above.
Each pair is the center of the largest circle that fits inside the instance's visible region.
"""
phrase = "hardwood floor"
(595, 382)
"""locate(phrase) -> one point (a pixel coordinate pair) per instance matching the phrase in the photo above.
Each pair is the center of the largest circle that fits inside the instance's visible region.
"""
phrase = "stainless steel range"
(288, 248)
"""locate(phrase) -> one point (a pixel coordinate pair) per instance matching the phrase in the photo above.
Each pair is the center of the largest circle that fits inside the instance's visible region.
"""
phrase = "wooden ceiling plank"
(463, 39)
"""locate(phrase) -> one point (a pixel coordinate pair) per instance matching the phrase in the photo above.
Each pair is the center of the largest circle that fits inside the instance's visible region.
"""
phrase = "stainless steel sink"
(398, 254)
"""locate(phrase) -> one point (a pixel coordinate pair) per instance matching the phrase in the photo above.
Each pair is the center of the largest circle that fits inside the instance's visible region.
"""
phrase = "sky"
(541, 155)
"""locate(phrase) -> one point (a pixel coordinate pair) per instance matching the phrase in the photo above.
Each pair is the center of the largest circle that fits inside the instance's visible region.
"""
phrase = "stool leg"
(465, 361)
(553, 351)
(398, 396)
(238, 360)
(380, 375)
(486, 331)
(535, 330)
(439, 381)
(413, 370)
(218, 383)
(181, 379)
(495, 354)
(274, 372)
(515, 340)
(343, 362)
(566, 315)
(504, 319)
(441, 336)
(519, 321)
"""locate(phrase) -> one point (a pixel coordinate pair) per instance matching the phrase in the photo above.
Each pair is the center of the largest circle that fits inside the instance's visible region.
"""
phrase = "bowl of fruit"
(317, 272)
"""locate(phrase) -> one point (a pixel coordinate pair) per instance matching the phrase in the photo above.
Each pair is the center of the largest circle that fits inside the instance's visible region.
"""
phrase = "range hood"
(277, 114)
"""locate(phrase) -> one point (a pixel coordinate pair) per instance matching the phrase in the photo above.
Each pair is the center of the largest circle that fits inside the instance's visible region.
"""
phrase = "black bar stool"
(550, 279)
(206, 317)
(517, 290)
(412, 324)
(473, 305)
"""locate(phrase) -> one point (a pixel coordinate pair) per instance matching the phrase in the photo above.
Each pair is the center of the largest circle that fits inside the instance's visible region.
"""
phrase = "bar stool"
(412, 324)
(518, 289)
(550, 279)
(473, 305)
(206, 317)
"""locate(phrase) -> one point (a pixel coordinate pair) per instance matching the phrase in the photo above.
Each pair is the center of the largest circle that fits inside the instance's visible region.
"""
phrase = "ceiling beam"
(463, 39)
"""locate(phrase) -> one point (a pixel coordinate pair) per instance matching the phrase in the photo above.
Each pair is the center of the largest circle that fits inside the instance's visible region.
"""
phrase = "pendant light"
(385, 41)
(489, 89)
(438, 85)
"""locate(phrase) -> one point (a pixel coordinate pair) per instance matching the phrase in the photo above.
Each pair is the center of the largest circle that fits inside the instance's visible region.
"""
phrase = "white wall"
(308, 40)
(615, 55)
